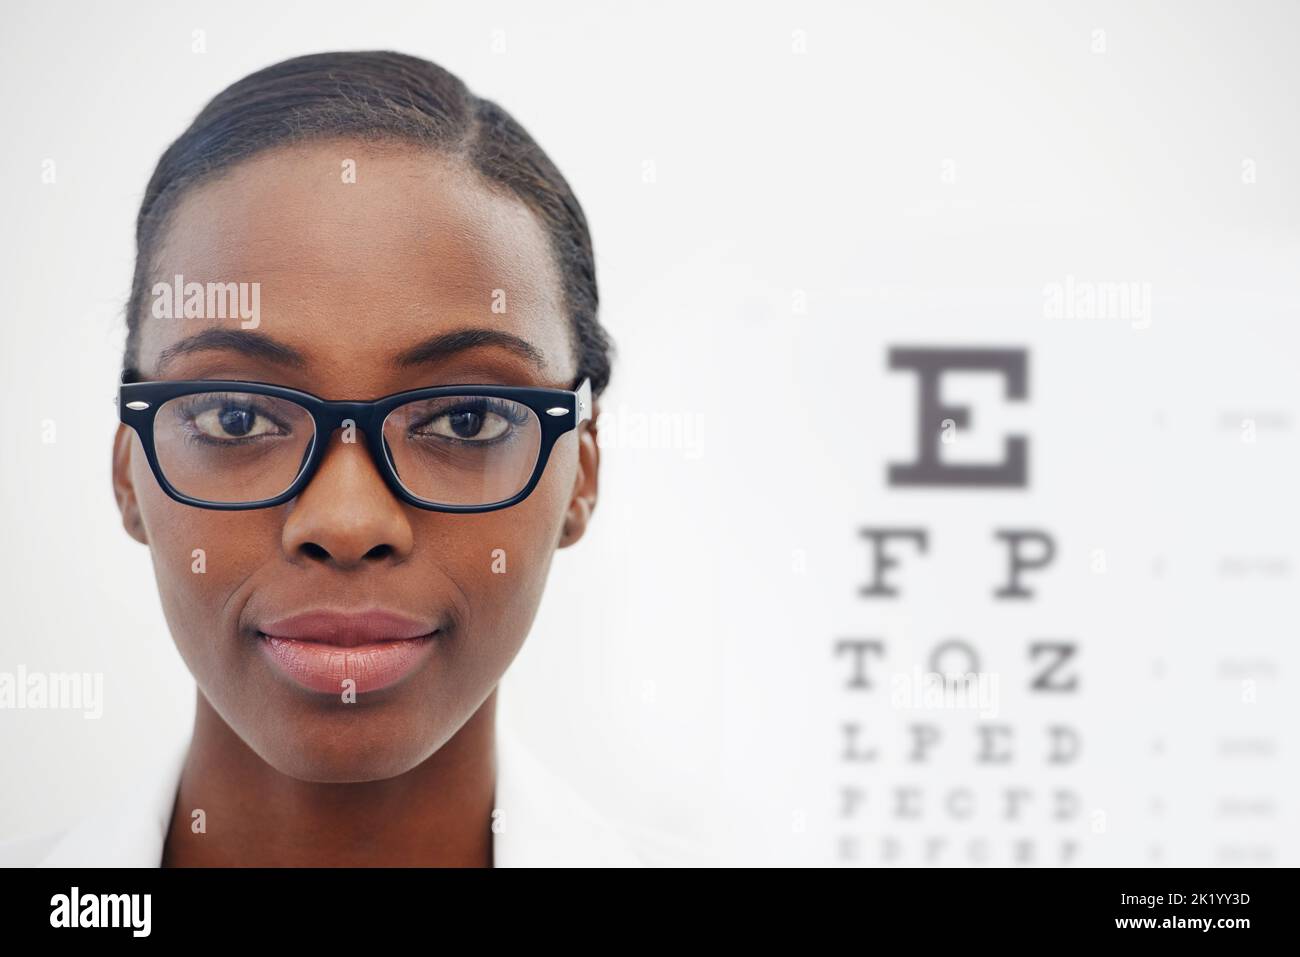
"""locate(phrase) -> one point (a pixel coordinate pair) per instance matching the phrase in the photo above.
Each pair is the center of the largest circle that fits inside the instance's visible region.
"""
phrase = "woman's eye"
(468, 425)
(233, 422)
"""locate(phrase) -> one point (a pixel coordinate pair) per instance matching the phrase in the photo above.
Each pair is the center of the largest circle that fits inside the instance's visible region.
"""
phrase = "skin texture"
(351, 274)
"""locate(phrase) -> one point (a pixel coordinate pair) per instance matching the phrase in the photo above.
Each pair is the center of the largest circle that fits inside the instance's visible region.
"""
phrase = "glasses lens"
(463, 450)
(231, 447)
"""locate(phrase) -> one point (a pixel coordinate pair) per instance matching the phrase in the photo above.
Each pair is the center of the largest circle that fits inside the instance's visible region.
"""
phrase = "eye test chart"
(1020, 555)
(1035, 602)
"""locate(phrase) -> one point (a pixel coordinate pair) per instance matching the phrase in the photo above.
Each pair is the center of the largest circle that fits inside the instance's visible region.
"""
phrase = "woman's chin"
(337, 762)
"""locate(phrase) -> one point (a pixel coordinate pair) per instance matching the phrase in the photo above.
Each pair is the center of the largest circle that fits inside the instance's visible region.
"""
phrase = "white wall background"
(829, 180)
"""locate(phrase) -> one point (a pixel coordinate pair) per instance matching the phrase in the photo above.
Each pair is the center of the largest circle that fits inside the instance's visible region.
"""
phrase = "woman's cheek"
(502, 558)
(200, 559)
(503, 570)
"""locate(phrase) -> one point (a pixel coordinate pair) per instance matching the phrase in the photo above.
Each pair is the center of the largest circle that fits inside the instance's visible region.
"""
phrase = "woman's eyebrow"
(441, 346)
(261, 346)
(255, 344)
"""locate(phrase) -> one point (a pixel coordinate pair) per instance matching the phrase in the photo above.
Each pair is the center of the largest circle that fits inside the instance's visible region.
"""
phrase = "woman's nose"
(346, 515)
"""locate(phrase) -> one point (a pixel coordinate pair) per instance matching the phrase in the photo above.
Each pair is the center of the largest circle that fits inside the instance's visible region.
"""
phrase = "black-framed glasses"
(232, 444)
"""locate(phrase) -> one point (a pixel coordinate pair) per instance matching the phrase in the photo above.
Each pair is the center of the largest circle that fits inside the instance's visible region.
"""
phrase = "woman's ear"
(124, 485)
(585, 485)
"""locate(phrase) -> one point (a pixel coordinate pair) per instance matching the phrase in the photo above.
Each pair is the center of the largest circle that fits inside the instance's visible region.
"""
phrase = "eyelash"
(508, 411)
(190, 410)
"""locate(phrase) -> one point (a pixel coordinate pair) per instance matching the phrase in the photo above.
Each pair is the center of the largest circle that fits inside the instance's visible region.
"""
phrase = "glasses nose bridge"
(336, 415)
(330, 416)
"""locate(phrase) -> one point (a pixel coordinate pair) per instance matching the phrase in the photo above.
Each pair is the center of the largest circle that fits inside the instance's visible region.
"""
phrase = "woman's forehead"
(351, 252)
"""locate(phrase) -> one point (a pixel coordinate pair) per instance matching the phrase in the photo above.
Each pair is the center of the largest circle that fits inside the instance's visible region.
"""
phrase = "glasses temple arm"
(584, 401)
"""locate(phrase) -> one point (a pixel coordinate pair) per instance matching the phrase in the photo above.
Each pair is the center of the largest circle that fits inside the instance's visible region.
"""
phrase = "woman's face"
(353, 276)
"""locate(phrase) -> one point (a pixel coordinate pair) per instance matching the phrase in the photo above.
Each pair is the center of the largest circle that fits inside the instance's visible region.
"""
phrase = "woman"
(348, 579)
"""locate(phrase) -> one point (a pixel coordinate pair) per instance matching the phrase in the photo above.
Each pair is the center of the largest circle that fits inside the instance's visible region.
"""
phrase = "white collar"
(541, 821)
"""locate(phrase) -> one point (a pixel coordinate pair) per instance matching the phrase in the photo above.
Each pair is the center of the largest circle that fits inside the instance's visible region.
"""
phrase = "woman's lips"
(320, 650)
